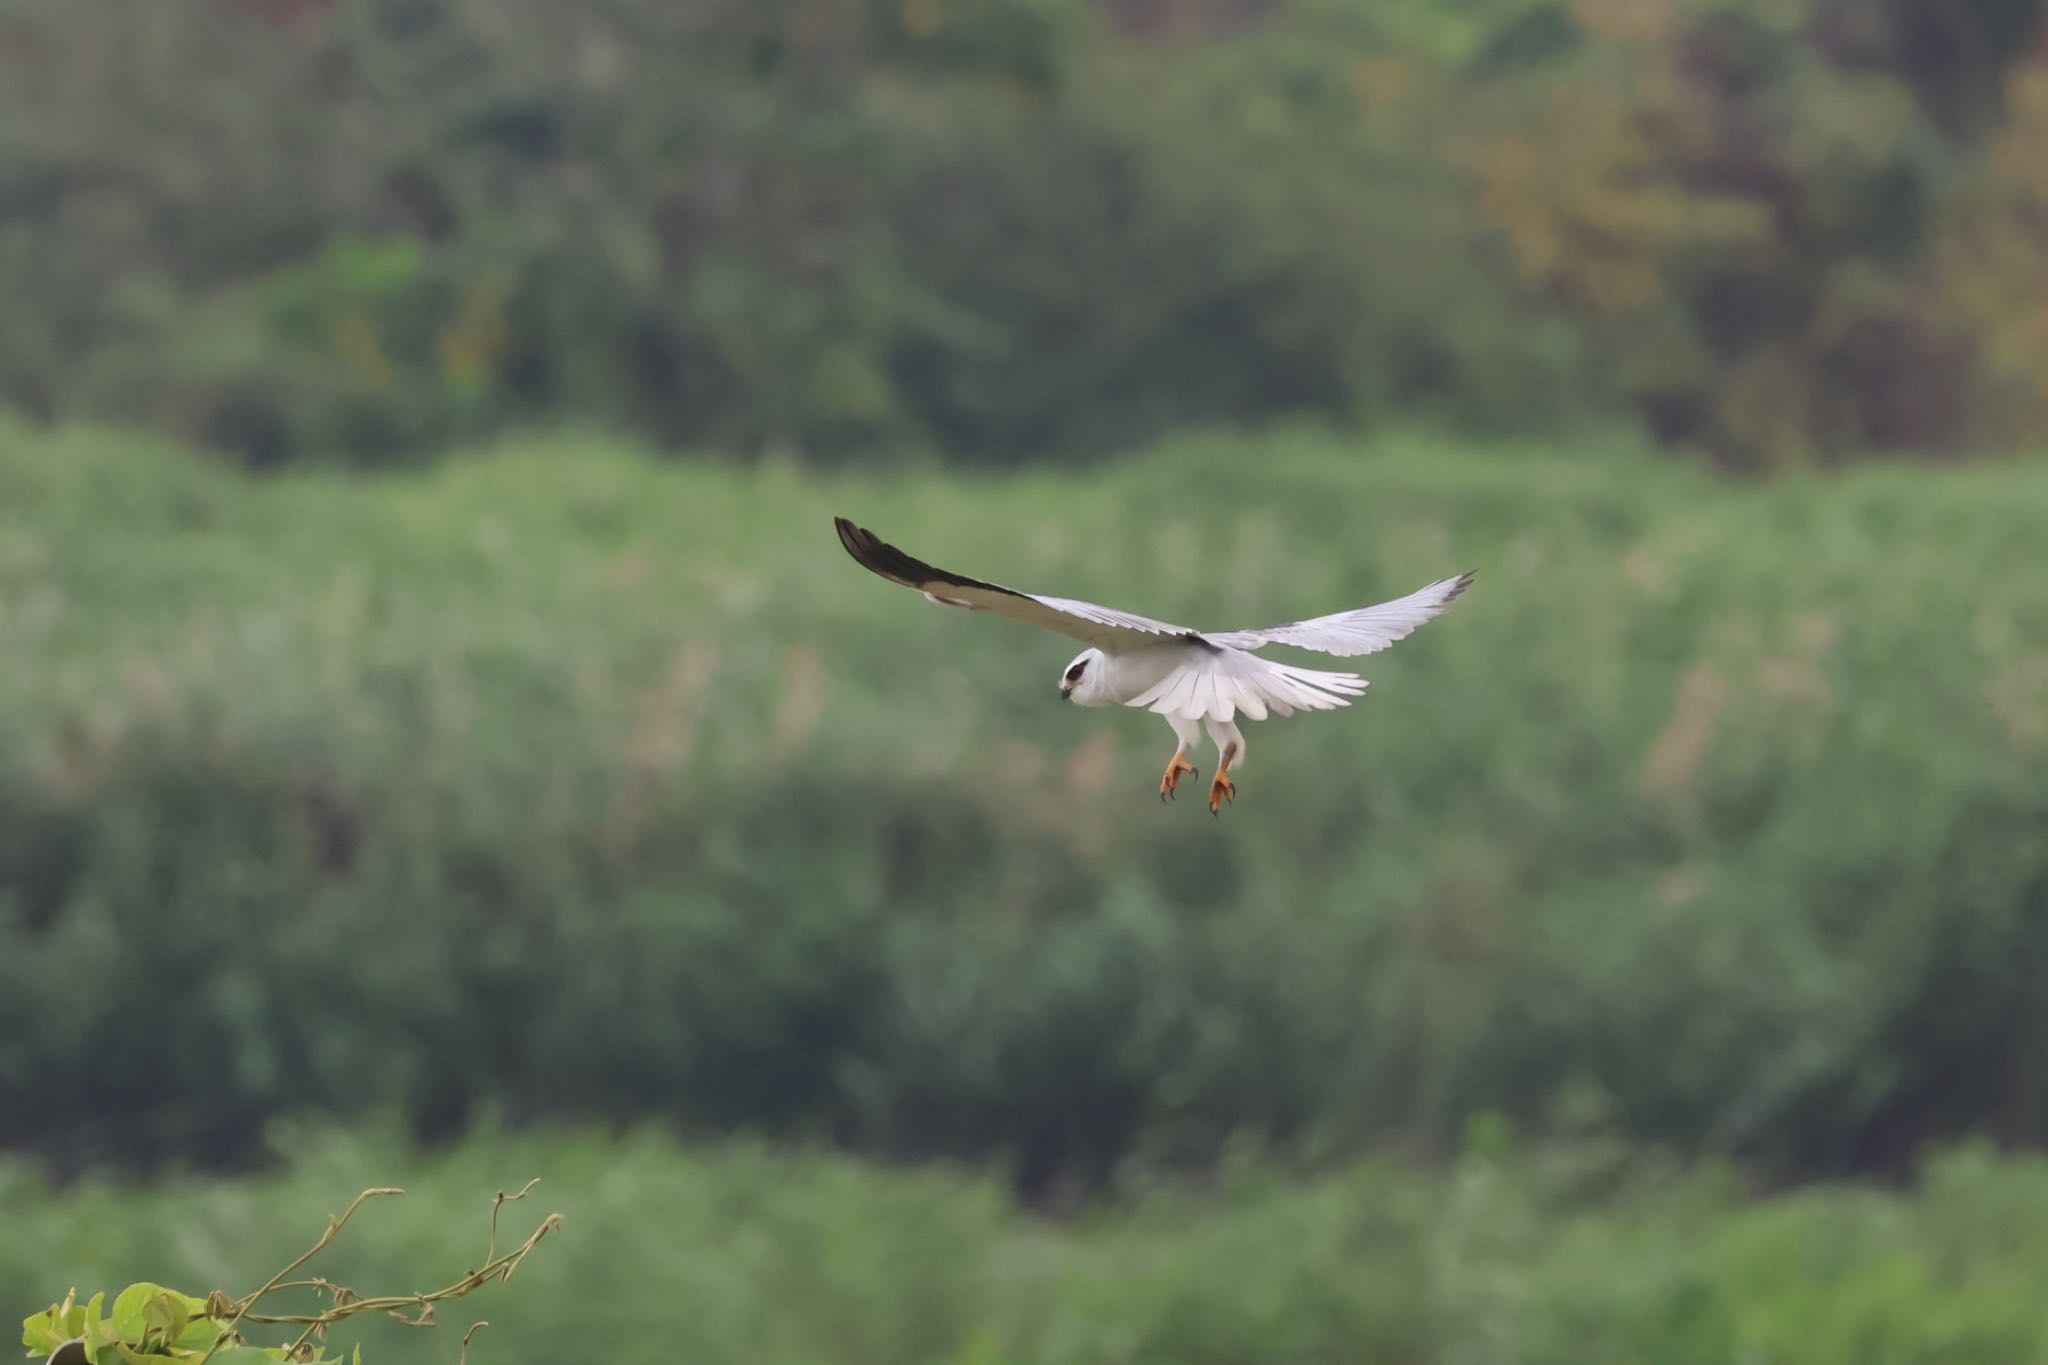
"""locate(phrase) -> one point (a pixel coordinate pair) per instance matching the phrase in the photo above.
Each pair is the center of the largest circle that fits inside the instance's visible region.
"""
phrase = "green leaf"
(72, 1317)
(200, 1329)
(41, 1331)
(128, 1309)
(164, 1316)
(92, 1324)
(131, 1309)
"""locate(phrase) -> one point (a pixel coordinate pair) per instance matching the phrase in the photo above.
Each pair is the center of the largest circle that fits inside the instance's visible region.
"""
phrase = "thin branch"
(396, 1305)
(500, 1202)
(334, 1225)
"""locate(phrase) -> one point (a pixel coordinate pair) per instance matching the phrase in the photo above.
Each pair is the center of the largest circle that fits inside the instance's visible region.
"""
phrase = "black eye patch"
(1074, 673)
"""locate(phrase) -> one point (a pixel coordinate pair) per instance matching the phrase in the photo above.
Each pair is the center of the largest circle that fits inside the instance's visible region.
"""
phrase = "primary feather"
(1366, 630)
(1103, 627)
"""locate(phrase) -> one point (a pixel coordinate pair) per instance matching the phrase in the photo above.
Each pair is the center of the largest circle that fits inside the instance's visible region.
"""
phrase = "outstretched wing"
(1103, 627)
(1351, 633)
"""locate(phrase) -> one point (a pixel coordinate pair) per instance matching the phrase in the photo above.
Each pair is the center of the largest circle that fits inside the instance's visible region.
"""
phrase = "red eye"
(1074, 673)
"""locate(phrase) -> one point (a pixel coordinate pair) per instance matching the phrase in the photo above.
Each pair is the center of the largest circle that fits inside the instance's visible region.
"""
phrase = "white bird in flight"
(1187, 676)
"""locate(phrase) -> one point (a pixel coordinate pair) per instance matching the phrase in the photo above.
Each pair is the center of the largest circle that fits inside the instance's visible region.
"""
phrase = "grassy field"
(568, 783)
(741, 1254)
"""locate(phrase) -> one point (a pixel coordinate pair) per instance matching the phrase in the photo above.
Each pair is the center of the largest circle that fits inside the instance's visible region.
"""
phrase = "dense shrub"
(558, 782)
(740, 1253)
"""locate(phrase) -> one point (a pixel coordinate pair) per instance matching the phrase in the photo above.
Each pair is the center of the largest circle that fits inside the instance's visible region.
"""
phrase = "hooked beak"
(1066, 694)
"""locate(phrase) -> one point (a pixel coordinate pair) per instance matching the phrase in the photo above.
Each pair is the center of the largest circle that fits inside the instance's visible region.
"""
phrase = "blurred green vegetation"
(1785, 232)
(742, 1254)
(555, 781)
(561, 809)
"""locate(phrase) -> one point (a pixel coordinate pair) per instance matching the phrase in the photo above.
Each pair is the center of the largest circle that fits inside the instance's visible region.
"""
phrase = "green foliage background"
(559, 782)
(738, 1254)
(441, 741)
(1784, 232)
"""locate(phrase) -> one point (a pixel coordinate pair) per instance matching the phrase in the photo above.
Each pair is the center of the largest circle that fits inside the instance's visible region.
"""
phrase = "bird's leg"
(1175, 766)
(1222, 789)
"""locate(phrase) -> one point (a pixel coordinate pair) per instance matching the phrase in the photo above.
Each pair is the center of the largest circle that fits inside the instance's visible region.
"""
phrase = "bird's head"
(1082, 682)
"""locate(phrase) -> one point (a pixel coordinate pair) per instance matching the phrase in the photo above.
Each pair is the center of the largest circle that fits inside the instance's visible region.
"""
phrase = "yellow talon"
(1222, 788)
(1175, 766)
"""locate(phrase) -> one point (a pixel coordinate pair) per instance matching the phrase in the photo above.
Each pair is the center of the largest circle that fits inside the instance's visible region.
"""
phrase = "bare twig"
(420, 1306)
(334, 1225)
(500, 1202)
(415, 1310)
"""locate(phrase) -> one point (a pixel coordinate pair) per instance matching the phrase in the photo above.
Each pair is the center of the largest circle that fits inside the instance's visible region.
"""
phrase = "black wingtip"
(1464, 582)
(876, 555)
(860, 542)
(879, 557)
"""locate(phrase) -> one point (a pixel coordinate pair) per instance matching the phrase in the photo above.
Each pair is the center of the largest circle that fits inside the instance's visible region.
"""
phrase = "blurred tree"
(1744, 215)
(1991, 258)
(1009, 227)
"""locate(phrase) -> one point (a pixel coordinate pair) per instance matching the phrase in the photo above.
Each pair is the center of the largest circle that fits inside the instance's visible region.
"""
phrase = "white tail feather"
(1218, 686)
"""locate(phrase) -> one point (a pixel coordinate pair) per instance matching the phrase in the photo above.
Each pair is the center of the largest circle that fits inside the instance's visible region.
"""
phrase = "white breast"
(1134, 672)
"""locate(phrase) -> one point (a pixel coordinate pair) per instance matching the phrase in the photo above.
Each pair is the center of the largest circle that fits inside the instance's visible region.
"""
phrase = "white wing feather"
(1351, 633)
